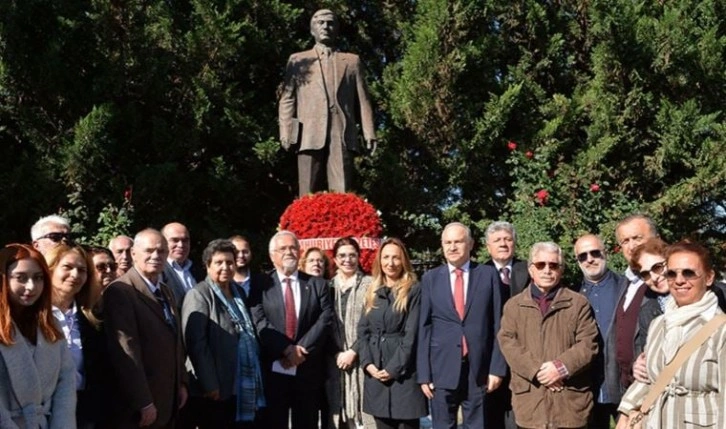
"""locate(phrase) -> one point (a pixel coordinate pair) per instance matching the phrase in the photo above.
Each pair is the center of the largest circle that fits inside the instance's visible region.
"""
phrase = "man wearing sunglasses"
(49, 232)
(549, 338)
(602, 288)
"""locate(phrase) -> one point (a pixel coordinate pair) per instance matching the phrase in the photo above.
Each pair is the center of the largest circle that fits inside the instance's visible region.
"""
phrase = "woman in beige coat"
(695, 397)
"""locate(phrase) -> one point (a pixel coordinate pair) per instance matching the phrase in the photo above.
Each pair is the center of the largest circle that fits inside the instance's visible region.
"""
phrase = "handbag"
(636, 416)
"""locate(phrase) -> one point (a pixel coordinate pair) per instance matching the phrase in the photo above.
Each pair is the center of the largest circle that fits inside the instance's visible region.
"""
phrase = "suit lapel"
(444, 292)
(304, 300)
(147, 297)
(340, 65)
(471, 287)
(277, 303)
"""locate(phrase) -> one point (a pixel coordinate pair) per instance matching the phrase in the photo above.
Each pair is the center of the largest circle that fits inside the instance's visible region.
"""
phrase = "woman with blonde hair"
(76, 292)
(37, 381)
(387, 337)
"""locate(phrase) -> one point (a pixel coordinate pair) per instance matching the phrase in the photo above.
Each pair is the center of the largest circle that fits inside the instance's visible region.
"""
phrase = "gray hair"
(459, 224)
(635, 216)
(148, 231)
(38, 228)
(119, 237)
(273, 240)
(545, 246)
(500, 225)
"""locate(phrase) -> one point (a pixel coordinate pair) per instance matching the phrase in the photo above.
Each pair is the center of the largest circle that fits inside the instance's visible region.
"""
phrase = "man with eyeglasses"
(49, 232)
(293, 314)
(602, 289)
(549, 339)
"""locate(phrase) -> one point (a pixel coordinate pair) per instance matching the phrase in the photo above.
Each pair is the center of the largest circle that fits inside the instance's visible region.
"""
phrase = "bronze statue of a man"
(323, 93)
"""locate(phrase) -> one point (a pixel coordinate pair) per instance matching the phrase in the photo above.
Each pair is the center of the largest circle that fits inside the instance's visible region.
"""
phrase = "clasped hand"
(550, 377)
(294, 356)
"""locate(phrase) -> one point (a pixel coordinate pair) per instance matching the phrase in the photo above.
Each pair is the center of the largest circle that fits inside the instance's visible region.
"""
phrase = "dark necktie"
(290, 315)
(504, 274)
(459, 304)
(168, 314)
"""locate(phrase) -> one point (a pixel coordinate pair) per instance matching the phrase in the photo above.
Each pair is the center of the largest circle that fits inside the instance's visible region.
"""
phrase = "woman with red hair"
(37, 377)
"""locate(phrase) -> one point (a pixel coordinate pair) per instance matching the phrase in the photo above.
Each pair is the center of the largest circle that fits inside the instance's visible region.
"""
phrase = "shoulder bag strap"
(683, 354)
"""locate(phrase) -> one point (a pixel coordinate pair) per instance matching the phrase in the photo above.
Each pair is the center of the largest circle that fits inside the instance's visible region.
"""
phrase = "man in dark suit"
(458, 357)
(178, 268)
(501, 239)
(323, 90)
(293, 313)
(144, 340)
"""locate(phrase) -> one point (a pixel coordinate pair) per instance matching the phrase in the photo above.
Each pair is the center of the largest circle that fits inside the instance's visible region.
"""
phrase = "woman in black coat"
(387, 341)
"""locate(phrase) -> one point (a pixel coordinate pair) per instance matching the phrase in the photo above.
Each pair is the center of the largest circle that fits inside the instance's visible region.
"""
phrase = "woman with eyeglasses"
(387, 336)
(696, 395)
(226, 385)
(37, 374)
(649, 262)
(314, 262)
(344, 387)
(76, 293)
(104, 264)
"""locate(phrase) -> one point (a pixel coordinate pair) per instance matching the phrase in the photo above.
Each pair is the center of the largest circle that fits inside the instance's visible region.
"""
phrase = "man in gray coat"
(323, 90)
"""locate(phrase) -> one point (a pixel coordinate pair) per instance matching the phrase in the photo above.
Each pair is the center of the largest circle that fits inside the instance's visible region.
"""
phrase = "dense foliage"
(614, 106)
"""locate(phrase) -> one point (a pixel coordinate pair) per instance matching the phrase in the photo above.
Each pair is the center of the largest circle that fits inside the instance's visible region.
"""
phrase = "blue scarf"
(248, 384)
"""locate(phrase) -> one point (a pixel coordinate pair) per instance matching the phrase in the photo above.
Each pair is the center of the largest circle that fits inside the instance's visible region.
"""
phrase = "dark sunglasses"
(596, 254)
(104, 266)
(57, 237)
(687, 273)
(655, 269)
(554, 266)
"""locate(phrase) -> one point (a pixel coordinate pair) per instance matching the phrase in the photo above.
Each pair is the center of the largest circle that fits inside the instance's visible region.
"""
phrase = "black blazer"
(313, 324)
(519, 278)
(92, 403)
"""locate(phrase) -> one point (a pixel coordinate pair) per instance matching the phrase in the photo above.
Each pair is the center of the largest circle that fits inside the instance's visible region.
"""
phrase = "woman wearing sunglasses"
(76, 292)
(694, 397)
(37, 375)
(105, 266)
(650, 264)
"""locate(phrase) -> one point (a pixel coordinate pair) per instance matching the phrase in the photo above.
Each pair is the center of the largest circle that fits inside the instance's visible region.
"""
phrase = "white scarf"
(678, 321)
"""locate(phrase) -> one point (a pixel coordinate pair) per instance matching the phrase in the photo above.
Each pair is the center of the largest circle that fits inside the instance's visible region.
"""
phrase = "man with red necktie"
(458, 358)
(292, 313)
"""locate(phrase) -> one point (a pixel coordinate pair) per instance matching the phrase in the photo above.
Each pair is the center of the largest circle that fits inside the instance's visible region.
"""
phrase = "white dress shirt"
(295, 285)
(452, 278)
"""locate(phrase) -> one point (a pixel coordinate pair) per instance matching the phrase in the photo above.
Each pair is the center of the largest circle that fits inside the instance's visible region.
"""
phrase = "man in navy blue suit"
(458, 357)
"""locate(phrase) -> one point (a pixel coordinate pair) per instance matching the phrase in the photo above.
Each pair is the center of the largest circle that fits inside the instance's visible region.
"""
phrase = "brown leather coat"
(567, 332)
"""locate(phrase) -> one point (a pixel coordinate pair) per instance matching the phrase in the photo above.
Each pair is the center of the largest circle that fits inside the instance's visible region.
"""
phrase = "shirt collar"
(464, 268)
(605, 279)
(152, 287)
(499, 267)
(320, 48)
(174, 264)
(634, 278)
(282, 276)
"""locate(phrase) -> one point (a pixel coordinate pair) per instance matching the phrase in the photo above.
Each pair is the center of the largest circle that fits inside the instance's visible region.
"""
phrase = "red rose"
(512, 145)
(541, 196)
(529, 154)
(594, 187)
(128, 193)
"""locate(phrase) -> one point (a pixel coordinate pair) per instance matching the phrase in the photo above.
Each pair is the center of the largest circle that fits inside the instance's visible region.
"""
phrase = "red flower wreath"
(320, 219)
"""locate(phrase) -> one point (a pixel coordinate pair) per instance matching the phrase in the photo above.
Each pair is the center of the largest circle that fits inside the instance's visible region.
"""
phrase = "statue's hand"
(371, 146)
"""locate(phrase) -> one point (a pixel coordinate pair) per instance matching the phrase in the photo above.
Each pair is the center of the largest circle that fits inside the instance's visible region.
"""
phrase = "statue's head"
(324, 27)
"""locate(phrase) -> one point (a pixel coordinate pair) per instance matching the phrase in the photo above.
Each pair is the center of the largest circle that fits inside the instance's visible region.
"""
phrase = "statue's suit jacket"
(146, 354)
(304, 98)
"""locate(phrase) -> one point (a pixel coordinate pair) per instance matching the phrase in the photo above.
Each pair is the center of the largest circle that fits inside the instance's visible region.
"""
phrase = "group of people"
(137, 336)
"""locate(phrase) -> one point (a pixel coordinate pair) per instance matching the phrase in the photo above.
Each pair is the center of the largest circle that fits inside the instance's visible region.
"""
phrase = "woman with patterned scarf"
(344, 387)
(226, 383)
